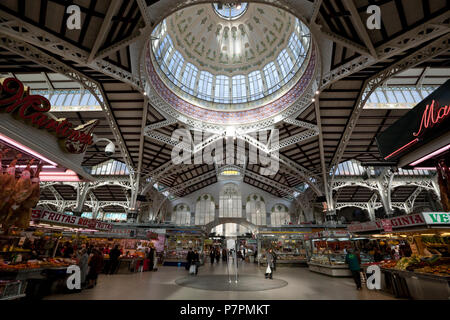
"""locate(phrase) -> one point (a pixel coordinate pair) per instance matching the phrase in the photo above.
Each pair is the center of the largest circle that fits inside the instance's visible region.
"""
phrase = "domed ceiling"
(230, 65)
(231, 47)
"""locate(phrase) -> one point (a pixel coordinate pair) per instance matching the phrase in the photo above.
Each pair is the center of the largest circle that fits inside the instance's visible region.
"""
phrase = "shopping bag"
(268, 270)
(192, 269)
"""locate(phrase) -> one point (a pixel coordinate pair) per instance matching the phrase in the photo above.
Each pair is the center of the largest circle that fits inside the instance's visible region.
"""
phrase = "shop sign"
(73, 221)
(32, 109)
(437, 217)
(387, 225)
(427, 121)
(397, 222)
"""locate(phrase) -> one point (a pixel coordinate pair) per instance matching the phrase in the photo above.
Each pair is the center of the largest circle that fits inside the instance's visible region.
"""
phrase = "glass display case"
(178, 245)
(289, 248)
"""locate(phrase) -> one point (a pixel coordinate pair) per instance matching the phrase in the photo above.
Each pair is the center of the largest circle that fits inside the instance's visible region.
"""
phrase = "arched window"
(204, 210)
(272, 78)
(181, 215)
(175, 66)
(189, 77)
(222, 89)
(256, 210)
(205, 83)
(239, 89)
(230, 204)
(286, 64)
(279, 215)
(230, 230)
(255, 85)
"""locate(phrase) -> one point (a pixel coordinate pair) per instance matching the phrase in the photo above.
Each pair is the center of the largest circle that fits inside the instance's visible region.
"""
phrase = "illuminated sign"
(428, 120)
(32, 109)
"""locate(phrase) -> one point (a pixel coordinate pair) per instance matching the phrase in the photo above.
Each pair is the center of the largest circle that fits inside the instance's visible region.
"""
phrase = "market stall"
(178, 243)
(289, 247)
(328, 253)
(423, 270)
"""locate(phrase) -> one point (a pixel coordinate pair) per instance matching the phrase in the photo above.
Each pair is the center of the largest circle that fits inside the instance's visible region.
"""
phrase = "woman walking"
(270, 264)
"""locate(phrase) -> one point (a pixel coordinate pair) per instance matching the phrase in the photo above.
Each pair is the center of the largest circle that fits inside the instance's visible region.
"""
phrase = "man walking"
(353, 261)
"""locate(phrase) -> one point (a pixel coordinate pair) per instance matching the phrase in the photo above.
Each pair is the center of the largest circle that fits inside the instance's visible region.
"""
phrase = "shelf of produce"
(424, 286)
(330, 270)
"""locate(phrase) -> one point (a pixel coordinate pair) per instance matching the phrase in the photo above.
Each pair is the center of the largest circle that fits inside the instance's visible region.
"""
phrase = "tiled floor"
(302, 284)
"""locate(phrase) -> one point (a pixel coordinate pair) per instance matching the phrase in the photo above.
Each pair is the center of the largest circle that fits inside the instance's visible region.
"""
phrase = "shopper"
(84, 266)
(189, 258)
(95, 267)
(275, 257)
(224, 254)
(353, 262)
(196, 261)
(151, 257)
(114, 255)
(217, 255)
(212, 255)
(255, 256)
(270, 264)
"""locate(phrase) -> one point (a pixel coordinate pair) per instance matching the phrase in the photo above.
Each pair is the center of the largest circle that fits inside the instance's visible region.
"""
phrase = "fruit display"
(36, 264)
(405, 262)
(389, 264)
(442, 270)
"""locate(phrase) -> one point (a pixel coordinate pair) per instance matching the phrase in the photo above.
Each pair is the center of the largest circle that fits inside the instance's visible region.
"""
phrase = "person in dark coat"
(196, 261)
(224, 254)
(189, 258)
(212, 255)
(95, 267)
(217, 255)
(151, 257)
(114, 255)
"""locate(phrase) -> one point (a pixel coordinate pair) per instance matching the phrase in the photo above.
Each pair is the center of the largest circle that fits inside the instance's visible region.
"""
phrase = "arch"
(279, 215)
(205, 209)
(230, 202)
(241, 221)
(255, 209)
(181, 214)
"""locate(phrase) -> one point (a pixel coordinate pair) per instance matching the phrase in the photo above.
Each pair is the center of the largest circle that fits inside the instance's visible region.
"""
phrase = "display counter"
(415, 285)
(289, 247)
(330, 270)
(331, 264)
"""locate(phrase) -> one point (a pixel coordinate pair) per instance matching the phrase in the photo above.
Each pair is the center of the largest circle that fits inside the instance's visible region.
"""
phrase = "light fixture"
(25, 149)
(317, 92)
(145, 93)
(425, 168)
(435, 153)
(313, 100)
(67, 176)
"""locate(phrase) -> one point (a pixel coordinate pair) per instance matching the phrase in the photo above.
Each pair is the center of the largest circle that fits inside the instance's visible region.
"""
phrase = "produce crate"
(12, 289)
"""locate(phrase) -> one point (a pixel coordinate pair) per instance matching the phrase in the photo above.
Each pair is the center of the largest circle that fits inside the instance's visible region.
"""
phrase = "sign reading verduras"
(428, 120)
(437, 217)
(32, 109)
(65, 219)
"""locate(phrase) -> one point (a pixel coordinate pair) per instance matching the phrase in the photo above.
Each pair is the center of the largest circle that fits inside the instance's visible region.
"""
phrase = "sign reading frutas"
(32, 109)
(73, 221)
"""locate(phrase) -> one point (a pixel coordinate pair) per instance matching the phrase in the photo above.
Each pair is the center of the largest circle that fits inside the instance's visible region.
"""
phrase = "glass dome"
(230, 11)
(235, 61)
